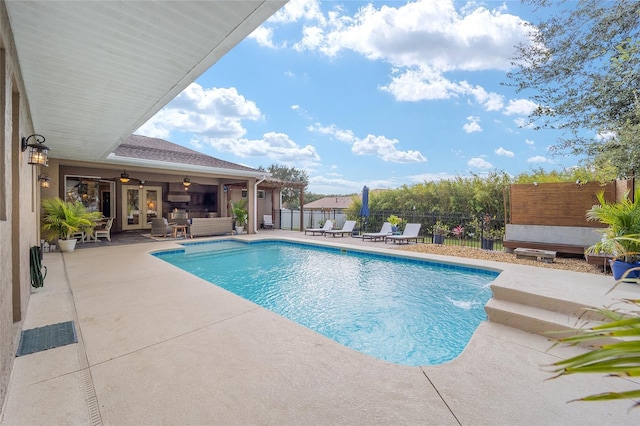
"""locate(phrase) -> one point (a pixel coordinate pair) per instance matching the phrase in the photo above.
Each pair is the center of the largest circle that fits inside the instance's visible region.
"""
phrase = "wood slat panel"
(556, 204)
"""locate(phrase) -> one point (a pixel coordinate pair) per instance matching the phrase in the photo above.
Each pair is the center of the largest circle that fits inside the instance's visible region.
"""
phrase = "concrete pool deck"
(159, 346)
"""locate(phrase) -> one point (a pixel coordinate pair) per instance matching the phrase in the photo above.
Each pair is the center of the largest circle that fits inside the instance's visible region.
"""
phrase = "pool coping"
(162, 346)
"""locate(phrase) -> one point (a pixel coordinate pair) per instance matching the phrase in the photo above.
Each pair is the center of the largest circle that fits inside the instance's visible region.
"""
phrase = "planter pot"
(394, 228)
(487, 244)
(438, 239)
(67, 246)
(618, 268)
(239, 229)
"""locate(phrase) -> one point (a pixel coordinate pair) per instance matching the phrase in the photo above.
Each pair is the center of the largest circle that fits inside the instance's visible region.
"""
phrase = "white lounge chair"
(411, 232)
(328, 225)
(347, 228)
(267, 221)
(374, 236)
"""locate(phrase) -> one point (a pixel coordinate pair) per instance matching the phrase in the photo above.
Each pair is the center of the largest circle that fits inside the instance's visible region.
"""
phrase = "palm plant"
(62, 219)
(239, 210)
(623, 220)
(618, 359)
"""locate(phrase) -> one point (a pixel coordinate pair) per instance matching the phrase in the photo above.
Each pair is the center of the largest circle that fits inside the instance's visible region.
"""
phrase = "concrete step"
(544, 322)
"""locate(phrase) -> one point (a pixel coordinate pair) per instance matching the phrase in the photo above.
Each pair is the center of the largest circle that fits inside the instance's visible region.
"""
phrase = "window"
(261, 194)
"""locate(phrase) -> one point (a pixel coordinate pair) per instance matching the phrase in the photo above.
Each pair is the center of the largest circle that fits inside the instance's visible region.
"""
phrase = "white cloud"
(529, 142)
(479, 163)
(430, 177)
(472, 125)
(215, 112)
(380, 146)
(422, 39)
(276, 146)
(523, 107)
(504, 152)
(537, 159)
(263, 36)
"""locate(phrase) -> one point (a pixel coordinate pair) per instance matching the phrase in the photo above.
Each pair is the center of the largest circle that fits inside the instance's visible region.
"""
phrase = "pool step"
(540, 314)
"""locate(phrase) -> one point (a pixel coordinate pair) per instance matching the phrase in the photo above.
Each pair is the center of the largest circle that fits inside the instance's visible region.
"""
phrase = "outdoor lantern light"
(141, 184)
(124, 177)
(44, 180)
(186, 181)
(38, 152)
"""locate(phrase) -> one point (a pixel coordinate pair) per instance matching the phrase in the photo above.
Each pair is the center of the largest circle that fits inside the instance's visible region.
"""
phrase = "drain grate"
(47, 337)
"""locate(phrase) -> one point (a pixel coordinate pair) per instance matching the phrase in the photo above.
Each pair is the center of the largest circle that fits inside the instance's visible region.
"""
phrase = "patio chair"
(103, 232)
(411, 232)
(347, 228)
(160, 227)
(374, 236)
(267, 221)
(328, 225)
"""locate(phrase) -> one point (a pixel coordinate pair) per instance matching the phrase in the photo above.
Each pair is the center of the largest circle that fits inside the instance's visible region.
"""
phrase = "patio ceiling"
(95, 71)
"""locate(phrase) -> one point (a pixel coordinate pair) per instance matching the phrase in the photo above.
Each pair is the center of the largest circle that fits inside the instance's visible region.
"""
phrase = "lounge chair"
(411, 232)
(347, 228)
(328, 225)
(374, 236)
(267, 221)
(160, 227)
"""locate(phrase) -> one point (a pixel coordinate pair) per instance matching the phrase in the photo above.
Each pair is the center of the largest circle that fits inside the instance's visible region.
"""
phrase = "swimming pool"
(402, 310)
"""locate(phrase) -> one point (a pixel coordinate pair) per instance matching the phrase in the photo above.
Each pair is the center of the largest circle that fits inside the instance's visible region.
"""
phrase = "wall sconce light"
(44, 180)
(186, 181)
(141, 184)
(38, 152)
(124, 177)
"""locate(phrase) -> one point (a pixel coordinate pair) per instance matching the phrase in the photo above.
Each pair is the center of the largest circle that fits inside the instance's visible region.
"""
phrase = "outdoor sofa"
(205, 226)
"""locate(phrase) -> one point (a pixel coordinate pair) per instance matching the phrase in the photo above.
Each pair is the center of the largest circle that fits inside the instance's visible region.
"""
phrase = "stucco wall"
(19, 208)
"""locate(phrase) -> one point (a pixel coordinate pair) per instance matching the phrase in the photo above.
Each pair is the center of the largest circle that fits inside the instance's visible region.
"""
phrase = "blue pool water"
(401, 310)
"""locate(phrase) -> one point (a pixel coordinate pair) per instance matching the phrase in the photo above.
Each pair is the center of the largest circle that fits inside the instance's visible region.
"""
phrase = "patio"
(159, 346)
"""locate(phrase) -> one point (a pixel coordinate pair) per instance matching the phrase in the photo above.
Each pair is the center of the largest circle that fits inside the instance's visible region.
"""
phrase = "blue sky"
(356, 93)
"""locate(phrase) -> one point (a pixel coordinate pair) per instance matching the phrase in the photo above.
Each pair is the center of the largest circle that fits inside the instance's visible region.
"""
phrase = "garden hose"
(35, 263)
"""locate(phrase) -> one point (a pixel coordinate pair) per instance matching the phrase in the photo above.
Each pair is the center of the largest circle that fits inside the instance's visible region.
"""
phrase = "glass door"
(140, 205)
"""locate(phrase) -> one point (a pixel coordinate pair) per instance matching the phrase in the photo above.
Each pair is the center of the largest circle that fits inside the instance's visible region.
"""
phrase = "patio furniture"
(204, 226)
(161, 228)
(328, 225)
(374, 236)
(411, 232)
(103, 232)
(267, 221)
(347, 228)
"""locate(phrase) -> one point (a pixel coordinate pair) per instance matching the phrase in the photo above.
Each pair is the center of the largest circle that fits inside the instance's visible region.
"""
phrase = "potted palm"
(62, 219)
(240, 214)
(395, 222)
(440, 231)
(619, 239)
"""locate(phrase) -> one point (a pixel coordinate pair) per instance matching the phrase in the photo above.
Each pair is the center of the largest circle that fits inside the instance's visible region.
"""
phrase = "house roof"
(330, 203)
(143, 147)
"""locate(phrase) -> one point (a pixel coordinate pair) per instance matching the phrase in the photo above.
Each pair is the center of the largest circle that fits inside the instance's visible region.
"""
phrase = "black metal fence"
(471, 230)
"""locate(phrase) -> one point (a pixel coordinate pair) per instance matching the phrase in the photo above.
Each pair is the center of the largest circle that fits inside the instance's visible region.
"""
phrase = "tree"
(583, 67)
(290, 196)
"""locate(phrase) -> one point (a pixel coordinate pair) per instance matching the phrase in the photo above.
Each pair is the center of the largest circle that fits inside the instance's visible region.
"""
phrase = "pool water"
(404, 311)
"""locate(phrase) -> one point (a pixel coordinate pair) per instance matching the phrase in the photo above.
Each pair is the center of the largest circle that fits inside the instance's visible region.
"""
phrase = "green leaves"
(620, 358)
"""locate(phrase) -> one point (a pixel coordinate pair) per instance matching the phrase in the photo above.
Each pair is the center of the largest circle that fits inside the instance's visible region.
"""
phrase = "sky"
(383, 94)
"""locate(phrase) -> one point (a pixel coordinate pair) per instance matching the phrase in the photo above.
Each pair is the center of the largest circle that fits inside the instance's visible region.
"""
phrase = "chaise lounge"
(411, 232)
(347, 228)
(328, 225)
(374, 236)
